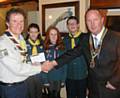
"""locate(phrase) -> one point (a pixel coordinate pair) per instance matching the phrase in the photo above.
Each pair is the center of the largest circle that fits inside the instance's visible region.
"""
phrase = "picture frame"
(111, 18)
(57, 14)
(113, 23)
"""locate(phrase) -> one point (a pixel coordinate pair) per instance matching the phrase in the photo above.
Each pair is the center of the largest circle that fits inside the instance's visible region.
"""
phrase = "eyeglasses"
(35, 32)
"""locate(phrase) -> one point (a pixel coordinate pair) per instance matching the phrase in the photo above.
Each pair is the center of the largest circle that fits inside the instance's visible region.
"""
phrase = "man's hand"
(110, 86)
(47, 65)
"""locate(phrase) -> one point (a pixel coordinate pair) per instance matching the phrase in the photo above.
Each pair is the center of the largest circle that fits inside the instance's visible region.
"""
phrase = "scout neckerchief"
(73, 38)
(20, 44)
(34, 44)
(95, 52)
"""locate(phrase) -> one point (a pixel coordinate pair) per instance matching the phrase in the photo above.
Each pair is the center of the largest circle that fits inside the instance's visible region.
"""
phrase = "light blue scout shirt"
(12, 68)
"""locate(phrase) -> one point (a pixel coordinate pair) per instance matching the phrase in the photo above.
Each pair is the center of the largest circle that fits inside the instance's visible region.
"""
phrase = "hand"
(36, 63)
(110, 86)
(47, 66)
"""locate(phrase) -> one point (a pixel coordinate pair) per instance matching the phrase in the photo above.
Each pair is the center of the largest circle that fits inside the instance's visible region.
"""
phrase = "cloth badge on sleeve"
(3, 53)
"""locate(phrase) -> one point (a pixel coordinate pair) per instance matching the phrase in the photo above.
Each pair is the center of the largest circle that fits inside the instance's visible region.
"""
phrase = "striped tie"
(95, 42)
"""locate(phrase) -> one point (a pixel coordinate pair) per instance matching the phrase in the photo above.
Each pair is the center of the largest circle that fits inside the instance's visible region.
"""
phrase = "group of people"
(74, 76)
(20, 77)
(77, 60)
(101, 50)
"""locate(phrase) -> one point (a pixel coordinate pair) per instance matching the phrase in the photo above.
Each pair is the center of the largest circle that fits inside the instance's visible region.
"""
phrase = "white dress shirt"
(98, 37)
(12, 69)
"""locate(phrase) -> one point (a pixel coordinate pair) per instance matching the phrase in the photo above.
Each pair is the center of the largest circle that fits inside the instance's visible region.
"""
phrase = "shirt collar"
(20, 37)
(99, 35)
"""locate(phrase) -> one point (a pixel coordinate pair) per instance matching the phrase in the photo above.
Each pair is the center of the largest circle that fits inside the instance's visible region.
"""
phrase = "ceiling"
(6, 2)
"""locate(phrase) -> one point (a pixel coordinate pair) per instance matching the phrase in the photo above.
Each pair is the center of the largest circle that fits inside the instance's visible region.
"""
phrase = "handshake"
(48, 65)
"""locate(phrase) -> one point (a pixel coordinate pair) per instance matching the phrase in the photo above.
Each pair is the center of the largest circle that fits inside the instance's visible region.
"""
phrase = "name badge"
(38, 58)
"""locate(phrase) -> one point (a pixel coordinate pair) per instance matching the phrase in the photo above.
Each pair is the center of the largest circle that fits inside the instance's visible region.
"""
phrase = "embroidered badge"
(3, 53)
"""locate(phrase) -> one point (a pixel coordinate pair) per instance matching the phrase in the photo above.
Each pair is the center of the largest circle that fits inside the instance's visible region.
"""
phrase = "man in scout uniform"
(14, 69)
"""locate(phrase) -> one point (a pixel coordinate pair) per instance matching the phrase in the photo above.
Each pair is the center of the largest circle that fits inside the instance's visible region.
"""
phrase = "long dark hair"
(59, 42)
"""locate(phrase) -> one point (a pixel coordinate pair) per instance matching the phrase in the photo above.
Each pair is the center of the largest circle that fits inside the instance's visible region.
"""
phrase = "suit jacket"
(107, 67)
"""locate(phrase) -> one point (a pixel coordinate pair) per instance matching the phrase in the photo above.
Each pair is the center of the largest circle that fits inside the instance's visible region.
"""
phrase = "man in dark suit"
(101, 48)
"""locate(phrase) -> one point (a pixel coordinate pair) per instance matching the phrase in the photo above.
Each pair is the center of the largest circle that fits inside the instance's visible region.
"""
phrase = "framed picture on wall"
(113, 22)
(57, 14)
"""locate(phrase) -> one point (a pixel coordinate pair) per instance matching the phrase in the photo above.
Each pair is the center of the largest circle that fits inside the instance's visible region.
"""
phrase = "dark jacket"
(107, 67)
(55, 74)
(77, 68)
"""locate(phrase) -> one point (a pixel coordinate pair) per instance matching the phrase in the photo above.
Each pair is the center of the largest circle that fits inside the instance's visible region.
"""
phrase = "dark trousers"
(97, 89)
(76, 88)
(54, 89)
(13, 91)
(34, 84)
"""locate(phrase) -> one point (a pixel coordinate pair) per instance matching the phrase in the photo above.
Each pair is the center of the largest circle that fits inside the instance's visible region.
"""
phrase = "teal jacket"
(77, 69)
(55, 74)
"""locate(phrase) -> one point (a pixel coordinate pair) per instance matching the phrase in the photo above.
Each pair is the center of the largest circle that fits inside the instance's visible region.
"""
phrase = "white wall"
(84, 5)
(32, 14)
(113, 12)
(55, 1)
